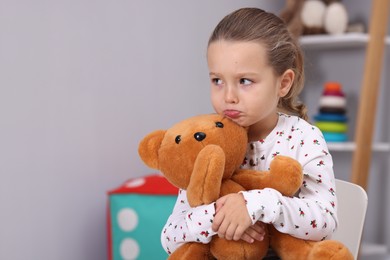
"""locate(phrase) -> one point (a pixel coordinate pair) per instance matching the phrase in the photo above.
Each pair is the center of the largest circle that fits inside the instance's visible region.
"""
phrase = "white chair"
(352, 207)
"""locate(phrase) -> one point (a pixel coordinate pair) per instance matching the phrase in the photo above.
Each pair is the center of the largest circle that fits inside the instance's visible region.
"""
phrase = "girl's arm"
(187, 224)
(313, 213)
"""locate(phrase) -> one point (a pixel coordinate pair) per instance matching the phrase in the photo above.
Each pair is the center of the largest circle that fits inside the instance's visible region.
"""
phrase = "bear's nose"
(199, 136)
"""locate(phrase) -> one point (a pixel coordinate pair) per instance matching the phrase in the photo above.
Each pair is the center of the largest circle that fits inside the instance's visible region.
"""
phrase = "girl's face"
(243, 86)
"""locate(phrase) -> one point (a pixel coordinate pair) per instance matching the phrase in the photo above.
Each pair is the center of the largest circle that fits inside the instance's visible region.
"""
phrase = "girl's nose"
(231, 96)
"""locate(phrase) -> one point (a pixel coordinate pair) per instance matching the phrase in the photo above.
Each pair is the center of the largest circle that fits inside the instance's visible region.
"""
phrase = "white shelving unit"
(351, 146)
(347, 40)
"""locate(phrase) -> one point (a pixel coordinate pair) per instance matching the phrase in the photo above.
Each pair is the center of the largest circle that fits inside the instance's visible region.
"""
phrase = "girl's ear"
(286, 81)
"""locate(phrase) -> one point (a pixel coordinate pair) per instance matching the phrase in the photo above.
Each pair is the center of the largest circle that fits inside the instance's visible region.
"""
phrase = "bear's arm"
(230, 186)
(285, 175)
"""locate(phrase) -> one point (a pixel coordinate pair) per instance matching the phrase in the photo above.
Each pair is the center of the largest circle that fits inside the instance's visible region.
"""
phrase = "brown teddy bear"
(291, 15)
(202, 155)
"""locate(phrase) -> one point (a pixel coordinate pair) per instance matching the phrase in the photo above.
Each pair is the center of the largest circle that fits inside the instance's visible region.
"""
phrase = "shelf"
(350, 146)
(347, 40)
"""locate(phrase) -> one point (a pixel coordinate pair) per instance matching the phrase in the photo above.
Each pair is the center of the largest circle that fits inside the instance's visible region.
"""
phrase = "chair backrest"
(352, 207)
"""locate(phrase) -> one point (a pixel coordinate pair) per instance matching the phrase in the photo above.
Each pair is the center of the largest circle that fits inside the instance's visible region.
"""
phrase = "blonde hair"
(256, 25)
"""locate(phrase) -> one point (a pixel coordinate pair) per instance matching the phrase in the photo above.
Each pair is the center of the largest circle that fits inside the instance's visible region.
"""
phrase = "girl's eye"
(245, 81)
(216, 81)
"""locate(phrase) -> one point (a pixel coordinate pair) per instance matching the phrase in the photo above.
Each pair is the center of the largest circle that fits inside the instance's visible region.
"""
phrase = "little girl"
(256, 73)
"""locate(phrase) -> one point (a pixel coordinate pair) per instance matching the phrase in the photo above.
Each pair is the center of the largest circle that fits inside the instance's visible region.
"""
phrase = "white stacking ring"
(333, 101)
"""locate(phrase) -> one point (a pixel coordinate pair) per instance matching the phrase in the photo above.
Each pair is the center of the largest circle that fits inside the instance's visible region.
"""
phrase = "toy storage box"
(137, 212)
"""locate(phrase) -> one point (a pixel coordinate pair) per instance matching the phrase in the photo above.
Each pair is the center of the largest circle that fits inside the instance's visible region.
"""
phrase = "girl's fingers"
(223, 227)
(247, 238)
(230, 231)
(217, 222)
(255, 235)
(240, 231)
(256, 231)
(219, 203)
(259, 227)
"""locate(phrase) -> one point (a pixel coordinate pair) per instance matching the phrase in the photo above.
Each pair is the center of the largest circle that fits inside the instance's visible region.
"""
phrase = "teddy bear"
(291, 15)
(202, 155)
(304, 17)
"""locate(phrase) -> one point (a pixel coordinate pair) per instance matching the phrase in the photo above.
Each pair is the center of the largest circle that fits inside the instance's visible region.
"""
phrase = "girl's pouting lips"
(232, 113)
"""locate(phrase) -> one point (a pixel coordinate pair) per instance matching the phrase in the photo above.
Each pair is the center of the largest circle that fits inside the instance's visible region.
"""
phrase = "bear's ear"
(149, 146)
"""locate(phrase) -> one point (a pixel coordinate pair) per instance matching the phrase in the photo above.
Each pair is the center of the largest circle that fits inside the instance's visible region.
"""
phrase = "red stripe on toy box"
(151, 184)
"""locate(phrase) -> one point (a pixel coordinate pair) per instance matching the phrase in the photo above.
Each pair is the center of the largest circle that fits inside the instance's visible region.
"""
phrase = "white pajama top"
(311, 214)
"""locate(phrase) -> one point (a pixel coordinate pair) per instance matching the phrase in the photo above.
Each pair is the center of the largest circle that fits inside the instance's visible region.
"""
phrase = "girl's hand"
(231, 219)
(254, 232)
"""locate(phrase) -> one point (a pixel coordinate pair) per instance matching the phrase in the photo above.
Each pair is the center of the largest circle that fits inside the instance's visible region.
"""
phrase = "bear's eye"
(178, 139)
(219, 124)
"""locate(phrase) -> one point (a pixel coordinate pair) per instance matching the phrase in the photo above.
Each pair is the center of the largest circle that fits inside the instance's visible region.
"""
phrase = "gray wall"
(81, 82)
